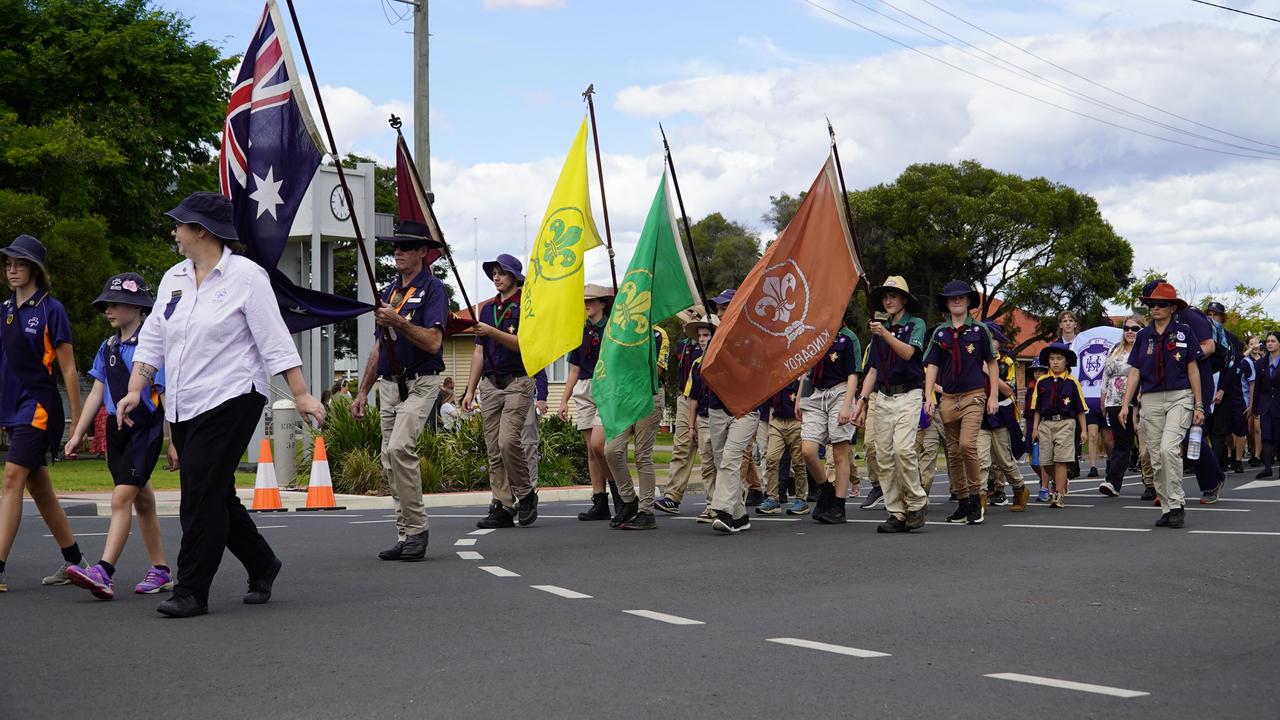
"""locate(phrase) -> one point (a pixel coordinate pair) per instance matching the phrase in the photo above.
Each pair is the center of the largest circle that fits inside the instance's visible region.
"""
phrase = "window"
(558, 371)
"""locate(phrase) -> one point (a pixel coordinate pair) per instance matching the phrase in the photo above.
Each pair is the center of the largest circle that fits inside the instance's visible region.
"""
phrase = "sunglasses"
(1158, 304)
(1132, 328)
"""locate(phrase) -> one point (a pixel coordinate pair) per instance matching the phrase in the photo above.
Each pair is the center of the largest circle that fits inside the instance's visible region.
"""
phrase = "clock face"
(338, 204)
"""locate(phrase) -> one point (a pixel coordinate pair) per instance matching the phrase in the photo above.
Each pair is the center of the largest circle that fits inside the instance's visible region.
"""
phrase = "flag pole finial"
(395, 122)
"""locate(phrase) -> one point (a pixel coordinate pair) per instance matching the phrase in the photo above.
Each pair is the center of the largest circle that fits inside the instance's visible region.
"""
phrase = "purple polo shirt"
(1164, 359)
(426, 304)
(1058, 395)
(959, 353)
(891, 369)
(783, 403)
(698, 390)
(842, 358)
(1202, 326)
(43, 324)
(686, 352)
(588, 352)
(506, 317)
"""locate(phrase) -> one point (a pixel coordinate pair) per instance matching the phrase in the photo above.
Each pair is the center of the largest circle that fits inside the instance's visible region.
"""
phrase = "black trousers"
(1122, 441)
(209, 449)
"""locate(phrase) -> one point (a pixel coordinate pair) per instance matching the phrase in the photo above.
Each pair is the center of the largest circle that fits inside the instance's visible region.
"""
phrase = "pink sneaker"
(157, 580)
(93, 579)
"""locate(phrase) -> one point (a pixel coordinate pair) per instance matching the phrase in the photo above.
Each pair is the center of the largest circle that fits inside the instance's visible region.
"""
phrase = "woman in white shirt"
(218, 335)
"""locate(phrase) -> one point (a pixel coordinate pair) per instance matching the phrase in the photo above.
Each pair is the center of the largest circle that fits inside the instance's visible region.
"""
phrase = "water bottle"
(1193, 442)
(1035, 454)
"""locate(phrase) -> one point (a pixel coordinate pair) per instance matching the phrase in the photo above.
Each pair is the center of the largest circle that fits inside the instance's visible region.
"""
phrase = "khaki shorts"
(821, 422)
(1057, 441)
(584, 406)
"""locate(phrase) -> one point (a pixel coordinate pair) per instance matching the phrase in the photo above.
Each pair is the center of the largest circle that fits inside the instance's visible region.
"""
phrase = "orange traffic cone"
(266, 492)
(320, 488)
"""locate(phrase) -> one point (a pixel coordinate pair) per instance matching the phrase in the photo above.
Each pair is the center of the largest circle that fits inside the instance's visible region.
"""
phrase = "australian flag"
(270, 152)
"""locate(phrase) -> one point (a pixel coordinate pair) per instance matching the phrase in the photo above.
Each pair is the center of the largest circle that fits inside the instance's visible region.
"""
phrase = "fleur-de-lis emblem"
(558, 248)
(632, 308)
(777, 292)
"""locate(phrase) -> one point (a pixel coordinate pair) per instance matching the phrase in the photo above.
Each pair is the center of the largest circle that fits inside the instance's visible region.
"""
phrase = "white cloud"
(522, 4)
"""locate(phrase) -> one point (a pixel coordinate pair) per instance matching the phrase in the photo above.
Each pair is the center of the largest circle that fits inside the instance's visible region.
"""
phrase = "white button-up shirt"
(218, 341)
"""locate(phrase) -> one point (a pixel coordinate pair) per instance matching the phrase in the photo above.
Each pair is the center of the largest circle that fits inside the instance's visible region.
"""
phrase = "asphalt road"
(919, 623)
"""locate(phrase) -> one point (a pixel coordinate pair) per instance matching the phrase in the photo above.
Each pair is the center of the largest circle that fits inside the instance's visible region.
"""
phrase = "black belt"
(410, 375)
(898, 389)
(502, 380)
(1059, 416)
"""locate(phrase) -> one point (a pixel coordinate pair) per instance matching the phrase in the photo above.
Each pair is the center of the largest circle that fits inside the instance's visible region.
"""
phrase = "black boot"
(625, 513)
(961, 514)
(393, 552)
(824, 496)
(599, 508)
(835, 511)
(617, 497)
(1267, 450)
(415, 547)
(498, 517)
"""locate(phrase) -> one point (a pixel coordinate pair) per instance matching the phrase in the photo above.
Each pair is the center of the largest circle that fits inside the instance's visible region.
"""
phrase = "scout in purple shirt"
(962, 358)
(1161, 365)
(685, 441)
(1209, 475)
(505, 391)
(827, 418)
(598, 301)
(1059, 407)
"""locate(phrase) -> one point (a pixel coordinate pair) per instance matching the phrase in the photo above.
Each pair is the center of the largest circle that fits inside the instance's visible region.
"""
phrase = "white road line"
(497, 571)
(368, 522)
(1197, 509)
(480, 532)
(84, 534)
(271, 527)
(562, 592)
(828, 647)
(316, 514)
(1076, 527)
(1069, 685)
(470, 555)
(1232, 532)
(663, 617)
(464, 542)
(1253, 500)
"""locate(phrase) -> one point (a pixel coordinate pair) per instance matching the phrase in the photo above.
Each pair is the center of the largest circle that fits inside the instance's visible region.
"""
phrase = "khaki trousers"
(730, 436)
(928, 440)
(870, 445)
(645, 432)
(529, 438)
(707, 457)
(402, 422)
(683, 447)
(961, 425)
(1166, 416)
(995, 454)
(504, 414)
(784, 436)
(897, 462)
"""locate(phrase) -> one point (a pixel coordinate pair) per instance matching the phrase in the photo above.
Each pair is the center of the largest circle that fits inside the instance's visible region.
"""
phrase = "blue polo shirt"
(43, 324)
(1164, 359)
(588, 352)
(1202, 327)
(842, 358)
(426, 304)
(697, 390)
(1058, 395)
(102, 361)
(505, 316)
(783, 403)
(687, 352)
(960, 353)
(891, 369)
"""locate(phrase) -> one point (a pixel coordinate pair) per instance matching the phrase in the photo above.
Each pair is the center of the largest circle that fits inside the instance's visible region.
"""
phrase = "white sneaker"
(60, 577)
(1107, 489)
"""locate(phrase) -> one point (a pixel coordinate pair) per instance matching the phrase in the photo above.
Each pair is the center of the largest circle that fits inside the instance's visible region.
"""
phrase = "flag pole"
(844, 193)
(413, 167)
(684, 219)
(595, 138)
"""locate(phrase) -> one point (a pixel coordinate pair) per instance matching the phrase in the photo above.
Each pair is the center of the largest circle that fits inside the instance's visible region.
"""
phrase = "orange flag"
(790, 306)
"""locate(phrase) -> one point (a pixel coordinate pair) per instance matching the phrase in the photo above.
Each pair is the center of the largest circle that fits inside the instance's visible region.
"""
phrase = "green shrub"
(563, 453)
(343, 434)
(361, 474)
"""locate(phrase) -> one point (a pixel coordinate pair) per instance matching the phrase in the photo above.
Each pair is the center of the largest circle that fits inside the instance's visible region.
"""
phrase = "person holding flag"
(597, 300)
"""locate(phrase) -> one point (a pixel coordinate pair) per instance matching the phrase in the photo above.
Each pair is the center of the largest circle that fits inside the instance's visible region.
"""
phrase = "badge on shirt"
(1181, 335)
(969, 348)
(1151, 346)
(834, 356)
(173, 303)
(511, 329)
(1177, 357)
(9, 319)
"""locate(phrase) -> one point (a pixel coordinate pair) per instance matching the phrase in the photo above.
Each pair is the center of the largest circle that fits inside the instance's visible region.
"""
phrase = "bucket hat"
(506, 262)
(1160, 290)
(898, 284)
(26, 247)
(208, 210)
(126, 288)
(1062, 348)
(956, 288)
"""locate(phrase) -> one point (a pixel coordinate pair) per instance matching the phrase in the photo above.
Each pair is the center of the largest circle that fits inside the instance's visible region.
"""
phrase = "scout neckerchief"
(37, 380)
(148, 425)
(1053, 387)
(885, 355)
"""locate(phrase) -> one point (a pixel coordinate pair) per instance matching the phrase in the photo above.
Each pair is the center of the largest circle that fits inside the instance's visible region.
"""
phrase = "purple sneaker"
(93, 579)
(157, 580)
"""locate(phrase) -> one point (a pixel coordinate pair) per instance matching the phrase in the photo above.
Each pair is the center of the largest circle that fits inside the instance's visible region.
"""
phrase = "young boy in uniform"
(684, 444)
(827, 418)
(998, 447)
(784, 438)
(582, 365)
(1059, 408)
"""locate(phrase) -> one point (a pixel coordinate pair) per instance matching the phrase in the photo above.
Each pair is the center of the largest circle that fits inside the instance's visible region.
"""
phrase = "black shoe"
(754, 498)
(415, 547)
(953, 498)
(998, 498)
(1237, 467)
(916, 518)
(260, 588)
(182, 606)
(599, 508)
(1254, 462)
(824, 496)
(875, 498)
(961, 513)
(1177, 518)
(811, 497)
(1264, 474)
(625, 513)
(1073, 470)
(640, 521)
(834, 514)
(393, 552)
(617, 496)
(527, 510)
(892, 525)
(1148, 494)
(726, 523)
(498, 517)
(1093, 472)
(977, 513)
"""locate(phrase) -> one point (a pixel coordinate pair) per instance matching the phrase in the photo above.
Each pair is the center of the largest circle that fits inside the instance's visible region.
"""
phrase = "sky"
(743, 88)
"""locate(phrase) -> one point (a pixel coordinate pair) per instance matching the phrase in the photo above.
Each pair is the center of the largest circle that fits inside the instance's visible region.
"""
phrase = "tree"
(726, 252)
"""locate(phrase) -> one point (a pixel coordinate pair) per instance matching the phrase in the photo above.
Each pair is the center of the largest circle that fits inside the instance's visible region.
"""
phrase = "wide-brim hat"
(127, 289)
(997, 332)
(208, 210)
(1162, 290)
(1062, 348)
(691, 328)
(956, 288)
(592, 291)
(506, 262)
(725, 297)
(898, 284)
(26, 247)
(411, 234)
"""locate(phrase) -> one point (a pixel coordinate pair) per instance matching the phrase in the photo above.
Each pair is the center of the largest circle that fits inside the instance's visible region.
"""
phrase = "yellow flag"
(551, 310)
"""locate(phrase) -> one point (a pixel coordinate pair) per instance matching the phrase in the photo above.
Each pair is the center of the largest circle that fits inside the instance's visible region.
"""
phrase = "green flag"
(658, 284)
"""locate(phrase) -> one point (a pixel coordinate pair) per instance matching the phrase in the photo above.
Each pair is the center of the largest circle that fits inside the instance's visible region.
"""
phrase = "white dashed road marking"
(464, 542)
(497, 571)
(1069, 685)
(368, 522)
(1197, 509)
(663, 617)
(470, 555)
(1077, 527)
(828, 647)
(562, 592)
(480, 532)
(1232, 532)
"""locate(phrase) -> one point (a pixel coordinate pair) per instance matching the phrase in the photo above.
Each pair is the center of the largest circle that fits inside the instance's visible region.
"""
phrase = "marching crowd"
(1176, 374)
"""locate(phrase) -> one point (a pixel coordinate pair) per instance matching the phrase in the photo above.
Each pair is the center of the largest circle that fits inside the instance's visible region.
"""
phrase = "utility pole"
(421, 99)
